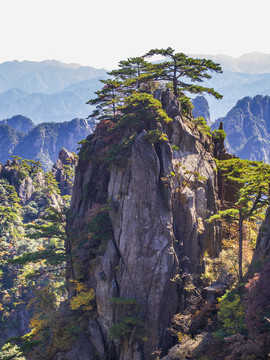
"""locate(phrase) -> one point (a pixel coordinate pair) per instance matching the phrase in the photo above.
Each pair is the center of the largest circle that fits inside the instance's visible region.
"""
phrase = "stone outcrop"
(159, 199)
(201, 108)
(191, 349)
(62, 171)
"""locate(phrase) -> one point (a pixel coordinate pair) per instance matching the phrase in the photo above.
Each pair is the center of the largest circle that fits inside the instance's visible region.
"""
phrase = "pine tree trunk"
(175, 88)
(175, 81)
(240, 260)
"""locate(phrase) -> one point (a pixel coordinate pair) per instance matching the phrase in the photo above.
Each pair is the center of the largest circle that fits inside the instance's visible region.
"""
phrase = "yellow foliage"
(6, 297)
(36, 324)
(83, 297)
(181, 336)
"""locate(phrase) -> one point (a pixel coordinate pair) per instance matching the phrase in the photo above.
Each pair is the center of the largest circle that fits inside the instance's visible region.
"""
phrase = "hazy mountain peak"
(19, 123)
(253, 63)
(48, 76)
(247, 126)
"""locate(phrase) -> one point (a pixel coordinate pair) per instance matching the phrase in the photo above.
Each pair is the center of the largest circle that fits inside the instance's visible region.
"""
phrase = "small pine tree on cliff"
(252, 180)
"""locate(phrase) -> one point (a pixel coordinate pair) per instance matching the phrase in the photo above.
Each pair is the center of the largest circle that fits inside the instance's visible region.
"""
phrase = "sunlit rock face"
(158, 199)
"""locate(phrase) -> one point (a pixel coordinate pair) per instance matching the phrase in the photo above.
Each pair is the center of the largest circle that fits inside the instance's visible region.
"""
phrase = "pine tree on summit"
(178, 67)
(134, 72)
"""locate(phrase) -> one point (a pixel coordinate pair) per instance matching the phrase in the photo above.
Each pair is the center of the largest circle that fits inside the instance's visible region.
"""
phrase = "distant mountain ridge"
(246, 75)
(19, 123)
(48, 77)
(247, 126)
(252, 63)
(42, 142)
(54, 91)
(201, 108)
(47, 90)
(57, 107)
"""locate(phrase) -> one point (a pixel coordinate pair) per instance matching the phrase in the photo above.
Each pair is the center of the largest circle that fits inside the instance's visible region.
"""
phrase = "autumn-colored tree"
(258, 303)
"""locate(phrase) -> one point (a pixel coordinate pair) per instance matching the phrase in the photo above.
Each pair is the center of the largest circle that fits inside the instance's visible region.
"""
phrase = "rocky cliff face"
(248, 127)
(9, 138)
(63, 170)
(159, 199)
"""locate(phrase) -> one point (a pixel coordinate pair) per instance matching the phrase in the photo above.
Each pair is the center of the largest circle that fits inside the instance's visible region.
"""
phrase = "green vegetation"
(32, 250)
(134, 72)
(243, 325)
(251, 179)
(130, 325)
(156, 135)
(125, 105)
(38, 257)
(200, 124)
(177, 67)
(219, 134)
(139, 112)
(231, 314)
(186, 104)
(123, 301)
(106, 100)
(142, 107)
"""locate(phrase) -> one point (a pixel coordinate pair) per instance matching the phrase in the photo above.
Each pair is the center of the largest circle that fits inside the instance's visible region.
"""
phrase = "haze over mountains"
(47, 90)
(54, 91)
(47, 77)
(252, 63)
(247, 75)
(51, 91)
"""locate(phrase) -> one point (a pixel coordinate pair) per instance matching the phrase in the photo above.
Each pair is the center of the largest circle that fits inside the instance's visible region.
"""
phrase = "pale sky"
(100, 33)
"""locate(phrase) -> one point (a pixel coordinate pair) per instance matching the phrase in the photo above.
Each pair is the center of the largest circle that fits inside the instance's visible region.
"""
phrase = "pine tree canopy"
(136, 74)
(107, 99)
(178, 67)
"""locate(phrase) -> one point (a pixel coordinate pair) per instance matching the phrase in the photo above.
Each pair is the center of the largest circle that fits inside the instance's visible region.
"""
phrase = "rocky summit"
(158, 233)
